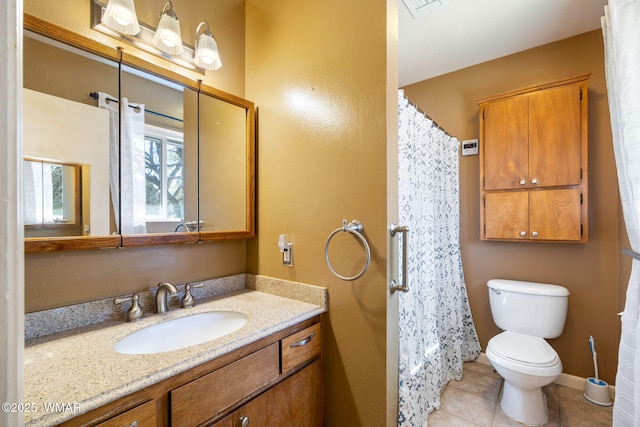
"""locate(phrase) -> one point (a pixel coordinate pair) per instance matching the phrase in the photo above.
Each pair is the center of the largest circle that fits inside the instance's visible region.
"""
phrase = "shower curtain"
(129, 169)
(622, 69)
(436, 329)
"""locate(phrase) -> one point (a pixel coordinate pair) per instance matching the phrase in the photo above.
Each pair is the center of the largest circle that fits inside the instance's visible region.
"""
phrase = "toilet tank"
(538, 309)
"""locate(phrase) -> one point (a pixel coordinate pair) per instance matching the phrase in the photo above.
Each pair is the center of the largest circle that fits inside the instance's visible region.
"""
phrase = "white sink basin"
(182, 332)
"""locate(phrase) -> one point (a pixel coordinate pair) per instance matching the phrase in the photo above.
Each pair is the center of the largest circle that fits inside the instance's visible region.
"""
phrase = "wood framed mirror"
(195, 155)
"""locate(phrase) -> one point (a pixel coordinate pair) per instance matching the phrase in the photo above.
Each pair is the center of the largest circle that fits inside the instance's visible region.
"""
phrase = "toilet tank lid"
(527, 287)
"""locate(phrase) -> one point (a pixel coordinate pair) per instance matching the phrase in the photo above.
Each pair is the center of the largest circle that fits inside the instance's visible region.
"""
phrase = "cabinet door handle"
(523, 233)
(134, 424)
(534, 181)
(243, 421)
(523, 182)
(534, 234)
(305, 341)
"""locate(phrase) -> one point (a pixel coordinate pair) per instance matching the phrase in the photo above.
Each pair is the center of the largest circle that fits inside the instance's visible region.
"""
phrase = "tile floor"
(474, 402)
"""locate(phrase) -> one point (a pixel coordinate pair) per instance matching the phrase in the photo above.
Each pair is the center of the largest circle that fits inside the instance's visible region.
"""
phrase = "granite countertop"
(79, 370)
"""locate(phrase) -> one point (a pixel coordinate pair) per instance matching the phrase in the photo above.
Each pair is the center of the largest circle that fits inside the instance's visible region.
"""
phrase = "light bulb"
(120, 15)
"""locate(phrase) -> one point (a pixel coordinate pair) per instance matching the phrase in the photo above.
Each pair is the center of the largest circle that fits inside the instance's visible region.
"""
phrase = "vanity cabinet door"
(140, 416)
(200, 400)
(295, 402)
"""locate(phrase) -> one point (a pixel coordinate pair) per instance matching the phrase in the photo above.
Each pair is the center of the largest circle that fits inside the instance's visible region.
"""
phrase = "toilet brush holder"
(597, 391)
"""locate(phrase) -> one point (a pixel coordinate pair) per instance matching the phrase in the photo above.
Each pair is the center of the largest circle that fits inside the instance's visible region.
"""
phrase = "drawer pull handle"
(305, 341)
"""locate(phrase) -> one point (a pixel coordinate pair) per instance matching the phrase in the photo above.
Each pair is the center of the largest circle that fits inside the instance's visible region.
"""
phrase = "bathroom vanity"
(268, 372)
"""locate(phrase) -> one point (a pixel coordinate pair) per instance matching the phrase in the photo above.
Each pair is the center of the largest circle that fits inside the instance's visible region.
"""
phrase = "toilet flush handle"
(497, 291)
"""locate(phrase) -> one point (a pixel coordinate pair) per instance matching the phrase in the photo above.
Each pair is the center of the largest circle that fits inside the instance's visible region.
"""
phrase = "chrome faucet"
(181, 225)
(161, 296)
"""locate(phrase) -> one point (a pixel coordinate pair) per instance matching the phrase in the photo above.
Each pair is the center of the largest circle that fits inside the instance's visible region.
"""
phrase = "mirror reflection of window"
(164, 169)
(51, 194)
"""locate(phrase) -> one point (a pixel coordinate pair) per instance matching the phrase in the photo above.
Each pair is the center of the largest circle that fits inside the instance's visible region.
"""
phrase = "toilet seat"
(533, 351)
(524, 353)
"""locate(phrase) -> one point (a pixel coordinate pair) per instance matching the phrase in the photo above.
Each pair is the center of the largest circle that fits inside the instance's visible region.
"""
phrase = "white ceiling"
(469, 32)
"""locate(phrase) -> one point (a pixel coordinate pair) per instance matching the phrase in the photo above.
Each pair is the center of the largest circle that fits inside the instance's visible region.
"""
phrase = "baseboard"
(564, 379)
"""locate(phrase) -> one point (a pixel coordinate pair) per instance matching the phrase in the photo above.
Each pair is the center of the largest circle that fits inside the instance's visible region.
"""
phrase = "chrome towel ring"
(354, 227)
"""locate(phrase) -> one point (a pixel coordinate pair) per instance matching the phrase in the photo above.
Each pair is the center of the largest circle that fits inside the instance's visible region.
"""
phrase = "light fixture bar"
(142, 40)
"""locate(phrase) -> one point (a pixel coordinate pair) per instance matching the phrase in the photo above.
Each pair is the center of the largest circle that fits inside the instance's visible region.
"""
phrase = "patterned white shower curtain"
(622, 68)
(437, 333)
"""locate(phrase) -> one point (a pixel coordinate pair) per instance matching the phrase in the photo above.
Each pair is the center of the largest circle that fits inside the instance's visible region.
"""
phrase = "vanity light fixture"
(151, 39)
(120, 15)
(206, 54)
(167, 37)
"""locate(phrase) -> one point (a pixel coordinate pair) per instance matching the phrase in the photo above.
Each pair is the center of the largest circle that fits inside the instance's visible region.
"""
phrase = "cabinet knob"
(534, 234)
(523, 182)
(534, 181)
(523, 233)
(243, 421)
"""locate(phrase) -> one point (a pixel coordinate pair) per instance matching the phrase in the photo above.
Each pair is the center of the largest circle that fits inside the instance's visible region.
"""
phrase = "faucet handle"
(135, 312)
(188, 300)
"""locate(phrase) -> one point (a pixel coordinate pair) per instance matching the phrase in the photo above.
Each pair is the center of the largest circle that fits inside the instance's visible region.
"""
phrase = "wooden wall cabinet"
(276, 381)
(533, 163)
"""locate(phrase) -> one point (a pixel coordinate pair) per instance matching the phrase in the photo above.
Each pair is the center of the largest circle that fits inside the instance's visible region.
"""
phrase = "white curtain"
(437, 333)
(622, 66)
(130, 168)
(38, 193)
(32, 193)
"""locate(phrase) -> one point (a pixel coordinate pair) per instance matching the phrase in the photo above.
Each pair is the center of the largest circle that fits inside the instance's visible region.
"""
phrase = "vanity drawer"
(140, 416)
(301, 347)
(201, 399)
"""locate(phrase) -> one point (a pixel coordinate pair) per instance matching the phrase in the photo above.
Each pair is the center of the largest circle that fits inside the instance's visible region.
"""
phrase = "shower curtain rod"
(95, 95)
(433, 122)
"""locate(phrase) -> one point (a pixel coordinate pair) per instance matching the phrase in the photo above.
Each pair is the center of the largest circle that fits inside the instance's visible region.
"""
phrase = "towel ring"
(354, 227)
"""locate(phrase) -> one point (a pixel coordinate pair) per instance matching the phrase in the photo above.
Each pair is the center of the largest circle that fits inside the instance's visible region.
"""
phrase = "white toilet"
(527, 312)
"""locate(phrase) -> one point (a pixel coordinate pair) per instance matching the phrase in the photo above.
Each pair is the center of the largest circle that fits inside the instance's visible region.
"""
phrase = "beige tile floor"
(474, 401)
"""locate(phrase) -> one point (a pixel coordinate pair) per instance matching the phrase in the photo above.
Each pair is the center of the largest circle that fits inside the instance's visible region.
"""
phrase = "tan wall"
(62, 278)
(321, 92)
(591, 272)
(225, 19)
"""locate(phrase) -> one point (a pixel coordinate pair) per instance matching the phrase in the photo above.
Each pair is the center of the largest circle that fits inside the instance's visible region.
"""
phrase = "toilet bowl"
(527, 312)
(527, 364)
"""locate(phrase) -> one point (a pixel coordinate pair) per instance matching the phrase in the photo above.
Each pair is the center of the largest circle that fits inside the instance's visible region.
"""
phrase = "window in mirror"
(164, 170)
(52, 198)
(170, 154)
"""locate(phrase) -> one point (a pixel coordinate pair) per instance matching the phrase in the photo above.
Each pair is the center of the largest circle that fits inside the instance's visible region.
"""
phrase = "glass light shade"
(167, 37)
(207, 55)
(120, 15)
